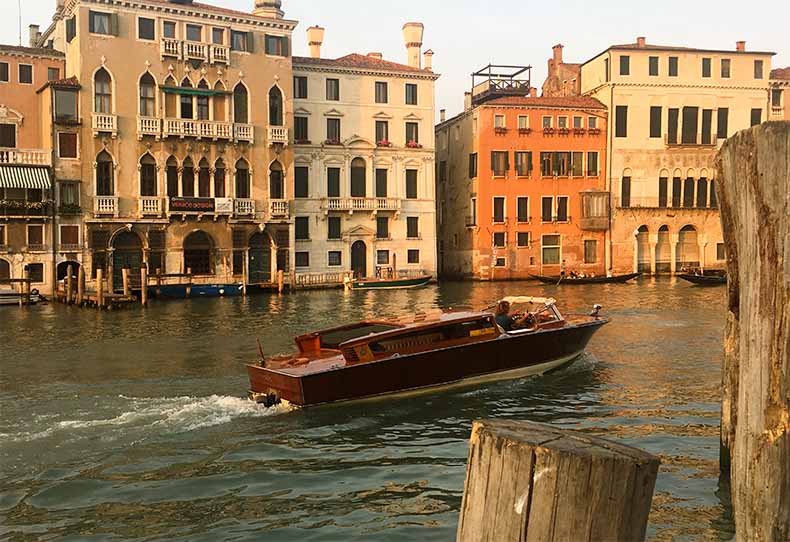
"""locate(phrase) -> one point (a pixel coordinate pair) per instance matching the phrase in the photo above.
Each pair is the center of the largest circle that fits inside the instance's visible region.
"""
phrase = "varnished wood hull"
(508, 356)
(587, 280)
(390, 284)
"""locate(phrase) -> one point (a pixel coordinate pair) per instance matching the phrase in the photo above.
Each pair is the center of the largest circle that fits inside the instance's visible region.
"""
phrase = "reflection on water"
(134, 424)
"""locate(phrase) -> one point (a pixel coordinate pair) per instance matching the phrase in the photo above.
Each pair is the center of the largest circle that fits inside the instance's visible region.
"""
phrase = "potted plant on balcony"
(500, 130)
(413, 145)
(69, 209)
(384, 143)
(303, 142)
(332, 142)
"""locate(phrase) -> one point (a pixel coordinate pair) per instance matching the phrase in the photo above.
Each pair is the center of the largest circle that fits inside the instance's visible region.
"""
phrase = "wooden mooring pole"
(100, 288)
(280, 281)
(127, 289)
(69, 285)
(754, 176)
(144, 287)
(80, 285)
(528, 481)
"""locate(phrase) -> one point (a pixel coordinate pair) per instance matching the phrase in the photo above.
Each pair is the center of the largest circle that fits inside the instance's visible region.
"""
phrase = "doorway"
(359, 259)
(128, 254)
(260, 262)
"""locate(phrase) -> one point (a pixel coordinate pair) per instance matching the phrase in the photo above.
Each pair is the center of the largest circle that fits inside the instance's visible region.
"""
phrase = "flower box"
(302, 142)
(332, 142)
(500, 130)
(384, 144)
(548, 131)
(413, 145)
(564, 131)
(524, 131)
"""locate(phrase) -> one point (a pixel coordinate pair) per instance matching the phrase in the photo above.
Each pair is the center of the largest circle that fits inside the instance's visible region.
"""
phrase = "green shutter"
(91, 26)
(114, 24)
(286, 46)
(250, 42)
(71, 29)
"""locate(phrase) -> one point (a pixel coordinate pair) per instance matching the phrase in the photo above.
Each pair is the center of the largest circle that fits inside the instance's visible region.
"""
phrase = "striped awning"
(25, 177)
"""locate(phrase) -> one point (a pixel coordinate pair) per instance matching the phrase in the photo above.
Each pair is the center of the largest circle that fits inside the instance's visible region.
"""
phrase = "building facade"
(521, 185)
(182, 161)
(563, 78)
(363, 197)
(780, 94)
(670, 109)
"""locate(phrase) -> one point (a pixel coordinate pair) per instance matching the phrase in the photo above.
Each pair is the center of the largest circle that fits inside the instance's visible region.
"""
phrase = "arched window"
(714, 204)
(242, 179)
(147, 96)
(204, 180)
(202, 102)
(171, 99)
(104, 175)
(358, 181)
(219, 178)
(220, 106)
(188, 179)
(276, 188)
(147, 175)
(275, 107)
(172, 177)
(197, 253)
(702, 192)
(102, 84)
(187, 102)
(240, 115)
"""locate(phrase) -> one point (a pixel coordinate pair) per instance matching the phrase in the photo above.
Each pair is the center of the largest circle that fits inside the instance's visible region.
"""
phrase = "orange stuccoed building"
(521, 182)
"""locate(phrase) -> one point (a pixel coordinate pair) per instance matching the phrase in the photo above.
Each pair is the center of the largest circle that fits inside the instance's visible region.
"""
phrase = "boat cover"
(513, 300)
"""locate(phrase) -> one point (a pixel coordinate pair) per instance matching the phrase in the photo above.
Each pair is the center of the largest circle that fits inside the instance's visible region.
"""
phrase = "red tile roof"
(581, 102)
(781, 73)
(32, 51)
(69, 82)
(355, 60)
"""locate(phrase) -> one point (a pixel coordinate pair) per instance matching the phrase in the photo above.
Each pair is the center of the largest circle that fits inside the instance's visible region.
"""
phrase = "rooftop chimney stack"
(467, 100)
(315, 39)
(34, 35)
(533, 92)
(557, 49)
(268, 8)
(428, 56)
(442, 115)
(412, 35)
(740, 46)
(376, 55)
(640, 41)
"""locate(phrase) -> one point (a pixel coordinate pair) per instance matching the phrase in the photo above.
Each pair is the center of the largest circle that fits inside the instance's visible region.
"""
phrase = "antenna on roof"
(19, 6)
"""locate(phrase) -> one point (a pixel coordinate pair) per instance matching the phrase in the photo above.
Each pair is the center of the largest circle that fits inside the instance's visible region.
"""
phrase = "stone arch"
(260, 257)
(358, 177)
(643, 249)
(63, 268)
(276, 110)
(5, 269)
(220, 104)
(204, 179)
(105, 174)
(103, 91)
(276, 180)
(146, 89)
(127, 253)
(219, 178)
(171, 173)
(687, 249)
(664, 250)
(188, 178)
(241, 103)
(199, 253)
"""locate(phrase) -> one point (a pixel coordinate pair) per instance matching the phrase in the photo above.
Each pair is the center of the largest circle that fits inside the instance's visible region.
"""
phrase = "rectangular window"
(473, 218)
(673, 66)
(577, 164)
(776, 97)
(3, 72)
(590, 251)
(334, 258)
(333, 130)
(36, 271)
(702, 193)
(301, 129)
(689, 129)
(99, 23)
(302, 228)
(333, 182)
(562, 208)
(382, 227)
(500, 239)
(69, 193)
(688, 192)
(499, 210)
(300, 87)
(756, 117)
(35, 236)
(194, 32)
(625, 192)
(725, 68)
(547, 122)
(706, 67)
(276, 45)
(523, 163)
(663, 191)
(499, 121)
(2, 235)
(302, 259)
(652, 68)
(333, 90)
(522, 209)
(381, 183)
(67, 145)
(545, 164)
(577, 123)
(625, 65)
(218, 36)
(546, 209)
(621, 121)
(758, 69)
(53, 74)
(333, 226)
(382, 257)
(412, 227)
(241, 41)
(523, 122)
(722, 115)
(411, 94)
(145, 28)
(607, 73)
(473, 165)
(412, 132)
(655, 121)
(499, 163)
(65, 105)
(561, 162)
(562, 122)
(592, 123)
(673, 116)
(721, 254)
(26, 74)
(550, 249)
(169, 29)
(411, 184)
(382, 132)
(707, 126)
(301, 176)
(8, 136)
(69, 235)
(500, 262)
(381, 92)
(677, 189)
(592, 164)
(413, 256)
(522, 239)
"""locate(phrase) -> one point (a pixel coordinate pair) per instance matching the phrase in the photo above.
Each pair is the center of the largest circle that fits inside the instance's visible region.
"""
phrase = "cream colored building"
(780, 94)
(183, 160)
(670, 108)
(364, 194)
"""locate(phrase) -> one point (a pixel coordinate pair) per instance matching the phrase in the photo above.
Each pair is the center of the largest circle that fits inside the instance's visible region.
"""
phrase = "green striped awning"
(25, 177)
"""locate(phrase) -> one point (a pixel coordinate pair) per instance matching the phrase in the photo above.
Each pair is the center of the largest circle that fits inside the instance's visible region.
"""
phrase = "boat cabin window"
(434, 336)
(333, 339)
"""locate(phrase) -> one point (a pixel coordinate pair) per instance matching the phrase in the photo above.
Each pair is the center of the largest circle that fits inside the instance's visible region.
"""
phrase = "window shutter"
(507, 161)
(91, 25)
(114, 24)
(286, 46)
(71, 29)
(493, 160)
(250, 42)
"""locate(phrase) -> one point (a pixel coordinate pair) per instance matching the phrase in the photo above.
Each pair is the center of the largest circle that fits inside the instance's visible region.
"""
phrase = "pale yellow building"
(780, 94)
(670, 108)
(364, 194)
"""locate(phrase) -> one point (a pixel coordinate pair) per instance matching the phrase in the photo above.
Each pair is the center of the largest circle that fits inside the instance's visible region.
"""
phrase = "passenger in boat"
(502, 315)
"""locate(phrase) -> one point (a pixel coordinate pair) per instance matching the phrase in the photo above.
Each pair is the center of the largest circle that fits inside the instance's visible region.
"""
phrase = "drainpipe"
(609, 167)
(54, 274)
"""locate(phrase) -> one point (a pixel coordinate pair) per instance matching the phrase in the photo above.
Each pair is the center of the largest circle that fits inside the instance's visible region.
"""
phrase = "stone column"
(673, 243)
(636, 251)
(652, 243)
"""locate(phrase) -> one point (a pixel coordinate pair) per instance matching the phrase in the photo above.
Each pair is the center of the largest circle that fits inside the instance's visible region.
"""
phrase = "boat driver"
(508, 321)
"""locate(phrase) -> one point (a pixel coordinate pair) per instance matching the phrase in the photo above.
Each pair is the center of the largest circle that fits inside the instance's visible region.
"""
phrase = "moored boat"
(378, 357)
(705, 280)
(184, 291)
(388, 283)
(567, 279)
(10, 297)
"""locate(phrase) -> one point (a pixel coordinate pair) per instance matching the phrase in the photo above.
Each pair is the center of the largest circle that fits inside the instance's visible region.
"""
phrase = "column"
(370, 181)
(673, 243)
(636, 251)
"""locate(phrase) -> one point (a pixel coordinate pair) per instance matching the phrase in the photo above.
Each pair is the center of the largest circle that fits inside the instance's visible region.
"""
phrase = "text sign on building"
(192, 205)
(223, 205)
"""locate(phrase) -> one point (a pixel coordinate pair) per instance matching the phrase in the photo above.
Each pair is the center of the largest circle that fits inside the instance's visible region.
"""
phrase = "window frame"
(193, 26)
(653, 62)
(413, 220)
(297, 132)
(332, 83)
(16, 134)
(301, 220)
(60, 234)
(50, 70)
(139, 19)
(527, 218)
(7, 72)
(382, 252)
(76, 146)
(76, 185)
(707, 67)
(329, 254)
(281, 50)
(19, 74)
(670, 66)
(409, 259)
(544, 246)
(43, 242)
(109, 15)
(332, 220)
(528, 244)
(725, 74)
(304, 264)
(759, 74)
(595, 252)
(298, 80)
(494, 243)
(409, 86)
(494, 200)
(625, 65)
(381, 92)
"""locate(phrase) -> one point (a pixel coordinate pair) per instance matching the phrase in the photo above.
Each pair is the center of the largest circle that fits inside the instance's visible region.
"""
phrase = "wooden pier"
(73, 291)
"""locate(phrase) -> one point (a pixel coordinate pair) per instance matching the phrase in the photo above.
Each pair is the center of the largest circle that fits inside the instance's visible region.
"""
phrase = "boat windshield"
(333, 339)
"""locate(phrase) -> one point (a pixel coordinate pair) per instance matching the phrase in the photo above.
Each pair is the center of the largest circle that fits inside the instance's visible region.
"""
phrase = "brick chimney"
(34, 35)
(533, 92)
(442, 115)
(557, 50)
(266, 8)
(740, 46)
(640, 41)
(378, 56)
(315, 38)
(412, 36)
(428, 56)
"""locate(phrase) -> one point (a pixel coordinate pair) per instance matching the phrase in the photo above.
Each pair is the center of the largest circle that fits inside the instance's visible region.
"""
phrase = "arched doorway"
(359, 259)
(643, 250)
(260, 258)
(63, 268)
(127, 254)
(688, 249)
(663, 251)
(5, 270)
(197, 253)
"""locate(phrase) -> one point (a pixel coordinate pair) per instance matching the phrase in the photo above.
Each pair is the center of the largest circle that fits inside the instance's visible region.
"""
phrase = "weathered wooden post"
(100, 288)
(754, 173)
(80, 285)
(528, 481)
(144, 288)
(127, 290)
(280, 281)
(69, 285)
(27, 286)
(245, 272)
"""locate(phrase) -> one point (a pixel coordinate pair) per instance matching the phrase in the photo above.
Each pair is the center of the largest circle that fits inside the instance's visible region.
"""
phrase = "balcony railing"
(149, 126)
(21, 208)
(70, 247)
(244, 207)
(150, 206)
(105, 124)
(243, 132)
(220, 54)
(105, 205)
(278, 208)
(194, 50)
(37, 247)
(277, 134)
(656, 203)
(680, 141)
(362, 204)
(170, 48)
(197, 128)
(27, 157)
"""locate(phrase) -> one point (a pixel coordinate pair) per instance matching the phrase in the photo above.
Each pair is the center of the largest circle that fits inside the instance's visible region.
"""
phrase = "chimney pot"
(533, 92)
(412, 35)
(34, 34)
(467, 101)
(740, 46)
(442, 115)
(315, 38)
(428, 56)
(640, 41)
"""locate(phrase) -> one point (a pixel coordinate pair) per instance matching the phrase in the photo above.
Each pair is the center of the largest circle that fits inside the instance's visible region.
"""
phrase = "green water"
(134, 424)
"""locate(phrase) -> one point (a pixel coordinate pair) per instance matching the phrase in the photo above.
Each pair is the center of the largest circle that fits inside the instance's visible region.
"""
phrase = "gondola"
(704, 280)
(585, 280)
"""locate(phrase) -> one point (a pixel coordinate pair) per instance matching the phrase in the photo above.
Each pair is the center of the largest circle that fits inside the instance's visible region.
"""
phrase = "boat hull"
(587, 280)
(705, 280)
(182, 291)
(507, 356)
(14, 298)
(390, 284)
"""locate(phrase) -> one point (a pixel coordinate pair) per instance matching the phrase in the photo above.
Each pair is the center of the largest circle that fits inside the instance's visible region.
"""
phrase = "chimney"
(428, 56)
(377, 56)
(533, 92)
(315, 38)
(557, 49)
(467, 101)
(740, 46)
(34, 35)
(442, 115)
(640, 41)
(412, 35)
(267, 8)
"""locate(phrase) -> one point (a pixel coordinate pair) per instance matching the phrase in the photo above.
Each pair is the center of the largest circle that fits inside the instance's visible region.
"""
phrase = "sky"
(466, 35)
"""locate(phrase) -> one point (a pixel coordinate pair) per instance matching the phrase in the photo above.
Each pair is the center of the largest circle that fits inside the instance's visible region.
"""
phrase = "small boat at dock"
(379, 357)
(185, 286)
(11, 297)
(708, 279)
(567, 279)
(388, 283)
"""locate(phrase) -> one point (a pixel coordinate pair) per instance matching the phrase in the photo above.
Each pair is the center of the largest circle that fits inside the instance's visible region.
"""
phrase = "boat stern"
(270, 387)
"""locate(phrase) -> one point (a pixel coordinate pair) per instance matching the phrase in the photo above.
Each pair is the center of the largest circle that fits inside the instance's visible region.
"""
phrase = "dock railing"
(311, 280)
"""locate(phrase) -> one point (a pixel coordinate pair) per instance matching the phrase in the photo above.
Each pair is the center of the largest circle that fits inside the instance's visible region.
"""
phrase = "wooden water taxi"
(388, 283)
(567, 279)
(378, 357)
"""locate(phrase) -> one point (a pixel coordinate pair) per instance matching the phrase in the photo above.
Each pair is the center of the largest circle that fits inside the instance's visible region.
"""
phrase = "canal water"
(134, 424)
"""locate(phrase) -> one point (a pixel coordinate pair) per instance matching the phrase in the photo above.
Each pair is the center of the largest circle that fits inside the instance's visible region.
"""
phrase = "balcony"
(149, 206)
(105, 205)
(24, 209)
(197, 128)
(220, 54)
(70, 247)
(149, 126)
(277, 134)
(244, 207)
(243, 132)
(686, 142)
(278, 208)
(25, 157)
(38, 247)
(668, 205)
(105, 124)
(170, 48)
(194, 50)
(361, 204)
